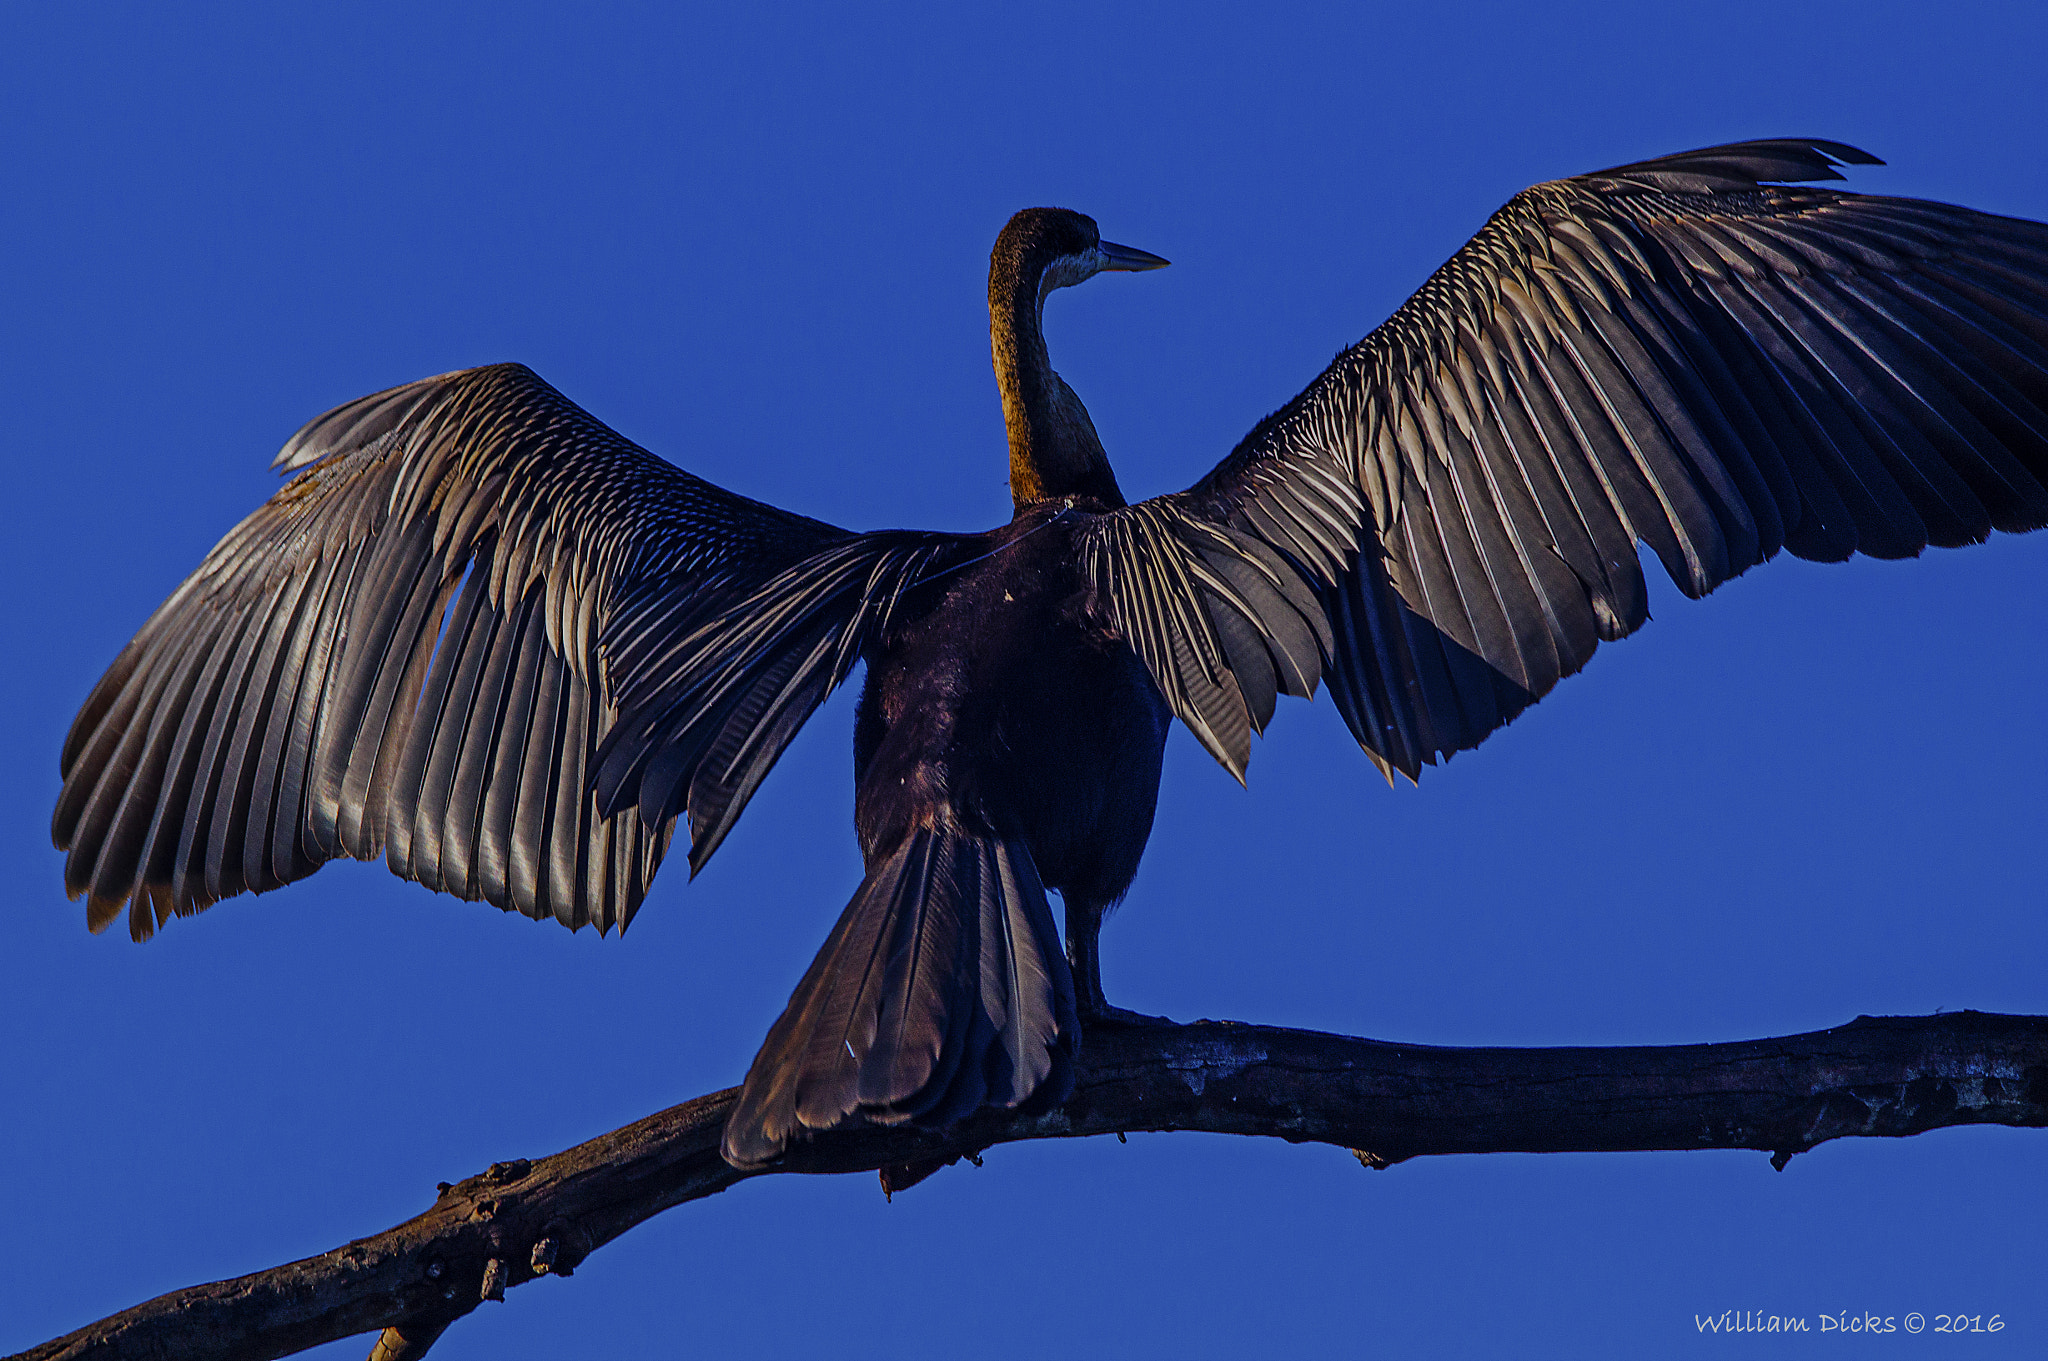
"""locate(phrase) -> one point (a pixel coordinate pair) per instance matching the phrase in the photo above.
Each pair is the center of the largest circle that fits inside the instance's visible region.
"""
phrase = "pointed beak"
(1129, 257)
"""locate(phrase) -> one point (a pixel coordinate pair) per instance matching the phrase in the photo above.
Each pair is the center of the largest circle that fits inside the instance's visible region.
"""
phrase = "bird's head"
(1053, 248)
(1054, 450)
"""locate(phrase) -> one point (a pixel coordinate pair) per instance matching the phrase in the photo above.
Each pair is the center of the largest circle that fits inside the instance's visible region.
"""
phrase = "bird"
(483, 636)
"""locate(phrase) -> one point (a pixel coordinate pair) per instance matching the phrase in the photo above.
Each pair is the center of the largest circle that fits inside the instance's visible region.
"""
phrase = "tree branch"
(1890, 1077)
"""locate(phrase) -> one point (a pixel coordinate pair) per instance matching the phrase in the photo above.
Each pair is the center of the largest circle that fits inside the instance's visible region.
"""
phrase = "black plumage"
(483, 636)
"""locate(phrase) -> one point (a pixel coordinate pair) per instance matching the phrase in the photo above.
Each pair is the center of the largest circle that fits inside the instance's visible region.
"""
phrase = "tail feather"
(1021, 963)
(941, 990)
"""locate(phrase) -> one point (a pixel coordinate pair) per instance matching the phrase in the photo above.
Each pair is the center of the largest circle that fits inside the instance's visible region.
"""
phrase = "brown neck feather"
(1054, 451)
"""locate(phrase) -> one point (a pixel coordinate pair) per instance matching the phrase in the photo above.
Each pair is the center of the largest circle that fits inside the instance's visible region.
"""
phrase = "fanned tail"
(942, 990)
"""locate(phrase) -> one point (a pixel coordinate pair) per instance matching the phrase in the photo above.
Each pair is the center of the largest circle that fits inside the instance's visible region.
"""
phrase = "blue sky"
(757, 245)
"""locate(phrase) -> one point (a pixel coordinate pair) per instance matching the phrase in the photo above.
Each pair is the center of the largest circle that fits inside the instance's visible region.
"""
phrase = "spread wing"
(1681, 353)
(420, 646)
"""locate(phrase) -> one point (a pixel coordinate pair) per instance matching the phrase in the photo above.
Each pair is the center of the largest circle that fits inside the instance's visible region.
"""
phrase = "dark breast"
(1004, 707)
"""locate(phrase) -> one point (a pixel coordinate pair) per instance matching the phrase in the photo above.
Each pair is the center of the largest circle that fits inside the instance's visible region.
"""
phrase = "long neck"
(1054, 451)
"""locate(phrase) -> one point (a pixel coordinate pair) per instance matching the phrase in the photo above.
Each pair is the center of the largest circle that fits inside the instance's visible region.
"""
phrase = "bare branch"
(1889, 1077)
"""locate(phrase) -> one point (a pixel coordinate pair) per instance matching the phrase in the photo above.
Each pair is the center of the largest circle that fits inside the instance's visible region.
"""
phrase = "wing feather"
(419, 647)
(1696, 354)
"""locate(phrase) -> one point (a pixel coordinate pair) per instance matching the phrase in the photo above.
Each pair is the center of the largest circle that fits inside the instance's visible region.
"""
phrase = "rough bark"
(1892, 1077)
